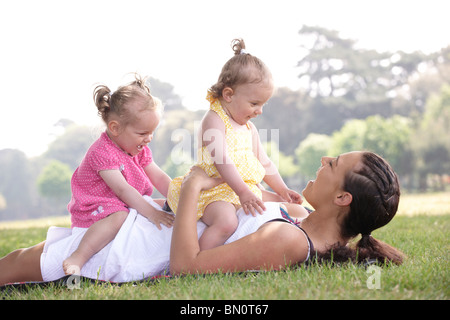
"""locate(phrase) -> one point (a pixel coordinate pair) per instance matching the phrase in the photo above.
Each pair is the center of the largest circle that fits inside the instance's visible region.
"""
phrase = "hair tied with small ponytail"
(365, 235)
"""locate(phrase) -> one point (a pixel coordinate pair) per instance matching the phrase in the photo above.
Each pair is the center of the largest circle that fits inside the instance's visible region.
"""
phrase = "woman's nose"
(325, 160)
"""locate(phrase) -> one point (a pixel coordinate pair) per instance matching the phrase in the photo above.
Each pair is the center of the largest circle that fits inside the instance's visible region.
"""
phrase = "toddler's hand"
(250, 202)
(161, 217)
(291, 196)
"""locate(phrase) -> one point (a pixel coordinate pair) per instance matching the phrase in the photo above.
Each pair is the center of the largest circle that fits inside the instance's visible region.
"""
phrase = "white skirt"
(138, 251)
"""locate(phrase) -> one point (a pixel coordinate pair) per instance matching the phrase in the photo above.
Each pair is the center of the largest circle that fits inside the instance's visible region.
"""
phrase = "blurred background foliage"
(396, 104)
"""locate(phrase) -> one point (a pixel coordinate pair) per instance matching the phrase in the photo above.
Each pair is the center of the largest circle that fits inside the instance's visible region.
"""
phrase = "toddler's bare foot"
(71, 266)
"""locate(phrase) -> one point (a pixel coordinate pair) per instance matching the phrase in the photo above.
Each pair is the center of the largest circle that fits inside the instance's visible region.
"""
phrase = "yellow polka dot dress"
(239, 150)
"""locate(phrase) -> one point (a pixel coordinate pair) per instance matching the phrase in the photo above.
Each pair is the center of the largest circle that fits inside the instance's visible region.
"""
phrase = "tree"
(432, 72)
(365, 80)
(390, 139)
(178, 164)
(165, 92)
(14, 184)
(54, 184)
(71, 146)
(432, 139)
(386, 137)
(309, 153)
(327, 66)
(349, 138)
(285, 164)
(287, 111)
(176, 125)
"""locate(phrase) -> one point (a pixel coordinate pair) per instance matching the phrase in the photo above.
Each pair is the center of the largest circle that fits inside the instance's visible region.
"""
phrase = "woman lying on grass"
(353, 194)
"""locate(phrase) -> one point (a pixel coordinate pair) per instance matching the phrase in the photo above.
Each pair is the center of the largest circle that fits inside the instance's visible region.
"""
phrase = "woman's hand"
(198, 178)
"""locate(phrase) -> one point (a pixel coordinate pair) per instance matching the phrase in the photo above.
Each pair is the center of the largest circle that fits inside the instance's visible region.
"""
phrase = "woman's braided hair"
(375, 194)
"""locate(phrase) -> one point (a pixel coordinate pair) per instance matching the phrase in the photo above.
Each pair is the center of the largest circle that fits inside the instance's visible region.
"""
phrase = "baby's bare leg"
(96, 238)
(221, 219)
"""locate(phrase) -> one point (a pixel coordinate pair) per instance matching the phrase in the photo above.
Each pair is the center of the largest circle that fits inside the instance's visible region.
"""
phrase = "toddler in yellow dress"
(231, 149)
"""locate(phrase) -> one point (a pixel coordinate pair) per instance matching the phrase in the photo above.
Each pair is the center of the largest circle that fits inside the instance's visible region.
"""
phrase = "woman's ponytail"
(369, 249)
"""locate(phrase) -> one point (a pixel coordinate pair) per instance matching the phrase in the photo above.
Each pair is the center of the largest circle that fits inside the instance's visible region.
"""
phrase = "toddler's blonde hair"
(240, 69)
(117, 103)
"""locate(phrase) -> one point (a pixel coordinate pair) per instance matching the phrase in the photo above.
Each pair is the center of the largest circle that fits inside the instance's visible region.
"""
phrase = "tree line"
(396, 104)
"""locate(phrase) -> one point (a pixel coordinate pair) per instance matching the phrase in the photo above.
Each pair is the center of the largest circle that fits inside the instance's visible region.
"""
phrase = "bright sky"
(53, 52)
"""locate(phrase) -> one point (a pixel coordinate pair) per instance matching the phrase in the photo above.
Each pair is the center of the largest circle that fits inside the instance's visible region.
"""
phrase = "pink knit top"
(92, 199)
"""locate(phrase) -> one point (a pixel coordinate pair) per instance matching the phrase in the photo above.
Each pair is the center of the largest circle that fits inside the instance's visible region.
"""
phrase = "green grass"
(420, 230)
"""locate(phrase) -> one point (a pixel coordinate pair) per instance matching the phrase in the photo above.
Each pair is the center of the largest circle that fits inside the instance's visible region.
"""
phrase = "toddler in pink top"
(117, 170)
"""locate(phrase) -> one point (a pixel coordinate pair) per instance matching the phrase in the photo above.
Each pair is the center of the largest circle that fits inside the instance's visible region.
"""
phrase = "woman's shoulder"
(277, 234)
(284, 239)
(295, 210)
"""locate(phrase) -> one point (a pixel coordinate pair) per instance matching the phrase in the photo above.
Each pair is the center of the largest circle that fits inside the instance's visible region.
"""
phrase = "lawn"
(420, 230)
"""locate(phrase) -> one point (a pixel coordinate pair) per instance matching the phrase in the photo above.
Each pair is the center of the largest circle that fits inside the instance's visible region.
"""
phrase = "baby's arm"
(116, 181)
(277, 184)
(213, 137)
(158, 177)
(272, 177)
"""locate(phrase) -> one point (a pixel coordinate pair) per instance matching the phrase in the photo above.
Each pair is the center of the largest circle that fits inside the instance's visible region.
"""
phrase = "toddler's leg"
(221, 219)
(96, 237)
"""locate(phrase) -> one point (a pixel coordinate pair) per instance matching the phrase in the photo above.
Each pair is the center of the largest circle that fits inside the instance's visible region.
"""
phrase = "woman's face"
(330, 178)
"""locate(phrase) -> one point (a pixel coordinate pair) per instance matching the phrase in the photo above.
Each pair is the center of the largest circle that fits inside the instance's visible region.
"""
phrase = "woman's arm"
(272, 247)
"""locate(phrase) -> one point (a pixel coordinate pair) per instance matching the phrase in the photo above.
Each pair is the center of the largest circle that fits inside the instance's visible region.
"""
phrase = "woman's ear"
(114, 127)
(227, 94)
(343, 199)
